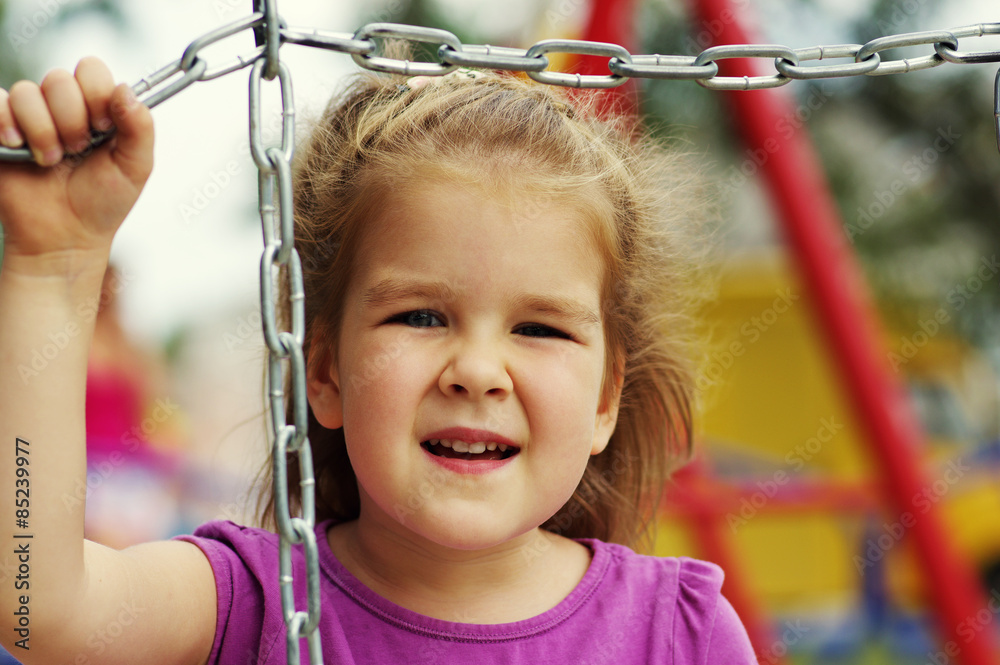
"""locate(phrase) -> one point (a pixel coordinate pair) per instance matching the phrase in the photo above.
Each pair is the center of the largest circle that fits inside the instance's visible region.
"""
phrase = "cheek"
(384, 367)
(565, 392)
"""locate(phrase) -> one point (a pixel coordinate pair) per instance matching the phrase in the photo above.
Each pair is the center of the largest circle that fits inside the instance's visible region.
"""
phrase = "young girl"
(495, 317)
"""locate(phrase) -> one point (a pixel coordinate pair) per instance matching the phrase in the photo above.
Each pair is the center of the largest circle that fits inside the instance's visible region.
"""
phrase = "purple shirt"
(627, 609)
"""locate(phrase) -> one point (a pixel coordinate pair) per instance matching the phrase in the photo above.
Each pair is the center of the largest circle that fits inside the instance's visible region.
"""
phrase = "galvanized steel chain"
(274, 186)
(451, 53)
(275, 183)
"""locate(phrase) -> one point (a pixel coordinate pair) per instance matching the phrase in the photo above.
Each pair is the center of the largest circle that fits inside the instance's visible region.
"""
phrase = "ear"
(323, 388)
(607, 412)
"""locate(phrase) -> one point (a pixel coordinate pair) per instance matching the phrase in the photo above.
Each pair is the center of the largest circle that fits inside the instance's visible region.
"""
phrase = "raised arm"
(62, 598)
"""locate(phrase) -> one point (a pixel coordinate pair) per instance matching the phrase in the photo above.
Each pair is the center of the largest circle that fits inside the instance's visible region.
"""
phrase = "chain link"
(275, 185)
(791, 70)
(410, 33)
(486, 56)
(933, 38)
(615, 52)
(745, 51)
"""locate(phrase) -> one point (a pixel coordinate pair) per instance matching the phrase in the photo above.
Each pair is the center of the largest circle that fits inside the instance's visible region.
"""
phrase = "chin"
(474, 532)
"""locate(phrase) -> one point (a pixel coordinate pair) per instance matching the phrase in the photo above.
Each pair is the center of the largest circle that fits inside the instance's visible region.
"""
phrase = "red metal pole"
(611, 21)
(835, 282)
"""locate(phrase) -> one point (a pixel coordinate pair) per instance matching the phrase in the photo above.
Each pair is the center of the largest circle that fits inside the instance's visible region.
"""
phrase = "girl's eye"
(538, 330)
(420, 318)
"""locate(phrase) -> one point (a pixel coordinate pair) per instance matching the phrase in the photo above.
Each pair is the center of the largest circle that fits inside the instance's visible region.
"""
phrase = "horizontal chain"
(362, 46)
(623, 65)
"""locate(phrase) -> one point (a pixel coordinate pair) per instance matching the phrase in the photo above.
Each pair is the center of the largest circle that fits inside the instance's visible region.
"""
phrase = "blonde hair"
(503, 131)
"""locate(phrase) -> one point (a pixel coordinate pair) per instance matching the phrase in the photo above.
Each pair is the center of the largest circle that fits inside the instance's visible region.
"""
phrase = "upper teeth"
(463, 447)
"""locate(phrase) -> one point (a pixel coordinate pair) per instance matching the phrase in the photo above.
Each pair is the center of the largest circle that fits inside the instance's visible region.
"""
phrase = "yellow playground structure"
(790, 480)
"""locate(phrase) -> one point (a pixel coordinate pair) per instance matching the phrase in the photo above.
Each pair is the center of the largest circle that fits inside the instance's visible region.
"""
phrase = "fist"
(80, 203)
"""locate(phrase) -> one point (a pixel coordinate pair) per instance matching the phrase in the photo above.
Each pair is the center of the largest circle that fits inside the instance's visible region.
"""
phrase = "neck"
(512, 581)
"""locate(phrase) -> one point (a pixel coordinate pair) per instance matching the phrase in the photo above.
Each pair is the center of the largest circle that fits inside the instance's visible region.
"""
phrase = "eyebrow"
(392, 290)
(565, 308)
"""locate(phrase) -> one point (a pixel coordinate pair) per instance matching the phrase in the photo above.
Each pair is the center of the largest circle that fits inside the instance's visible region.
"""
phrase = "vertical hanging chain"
(274, 182)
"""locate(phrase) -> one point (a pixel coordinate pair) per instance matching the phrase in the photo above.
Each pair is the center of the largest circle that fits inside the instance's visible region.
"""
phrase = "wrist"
(71, 265)
(57, 281)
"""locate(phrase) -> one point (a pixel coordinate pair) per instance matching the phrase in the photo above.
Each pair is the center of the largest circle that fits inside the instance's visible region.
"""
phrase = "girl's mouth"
(479, 451)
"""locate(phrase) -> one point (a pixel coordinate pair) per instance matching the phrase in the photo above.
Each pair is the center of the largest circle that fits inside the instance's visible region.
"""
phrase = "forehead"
(469, 235)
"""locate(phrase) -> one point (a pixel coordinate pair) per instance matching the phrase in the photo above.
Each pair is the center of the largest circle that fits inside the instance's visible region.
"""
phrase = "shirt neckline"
(414, 622)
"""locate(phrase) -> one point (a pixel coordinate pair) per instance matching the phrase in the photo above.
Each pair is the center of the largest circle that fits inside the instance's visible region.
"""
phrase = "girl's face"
(468, 322)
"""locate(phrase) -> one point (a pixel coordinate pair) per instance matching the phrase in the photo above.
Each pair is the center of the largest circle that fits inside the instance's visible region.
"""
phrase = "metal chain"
(275, 183)
(271, 33)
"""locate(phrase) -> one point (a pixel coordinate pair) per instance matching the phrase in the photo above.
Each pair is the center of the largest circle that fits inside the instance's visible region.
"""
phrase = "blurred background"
(175, 421)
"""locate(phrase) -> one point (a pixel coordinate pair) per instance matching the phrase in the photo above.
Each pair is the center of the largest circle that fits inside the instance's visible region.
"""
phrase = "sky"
(190, 249)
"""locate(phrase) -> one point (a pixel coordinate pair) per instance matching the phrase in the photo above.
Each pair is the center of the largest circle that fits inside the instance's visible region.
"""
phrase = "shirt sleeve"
(706, 628)
(729, 642)
(236, 554)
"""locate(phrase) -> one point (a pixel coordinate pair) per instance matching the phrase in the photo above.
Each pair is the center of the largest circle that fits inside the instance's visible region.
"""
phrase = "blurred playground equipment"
(785, 469)
(873, 493)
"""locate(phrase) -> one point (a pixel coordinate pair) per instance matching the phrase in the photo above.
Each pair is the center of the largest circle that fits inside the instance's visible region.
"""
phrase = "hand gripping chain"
(275, 182)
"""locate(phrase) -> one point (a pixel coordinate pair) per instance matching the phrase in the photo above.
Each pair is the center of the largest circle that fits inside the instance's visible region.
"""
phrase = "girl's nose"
(476, 371)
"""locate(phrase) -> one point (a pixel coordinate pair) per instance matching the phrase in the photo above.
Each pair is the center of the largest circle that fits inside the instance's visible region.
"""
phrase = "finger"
(32, 116)
(97, 84)
(9, 136)
(65, 100)
(133, 150)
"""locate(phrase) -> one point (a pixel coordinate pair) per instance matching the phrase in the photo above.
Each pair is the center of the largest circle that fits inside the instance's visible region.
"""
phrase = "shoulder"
(692, 582)
(244, 561)
(230, 534)
(683, 597)
(227, 544)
